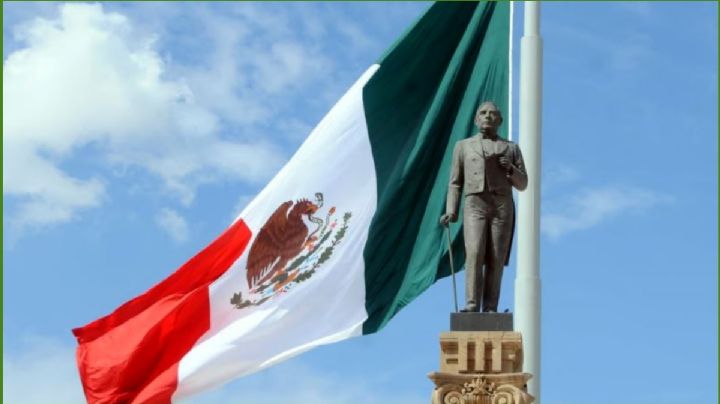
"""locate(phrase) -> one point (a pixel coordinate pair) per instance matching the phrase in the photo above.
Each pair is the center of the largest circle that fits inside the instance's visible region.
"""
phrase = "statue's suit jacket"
(475, 169)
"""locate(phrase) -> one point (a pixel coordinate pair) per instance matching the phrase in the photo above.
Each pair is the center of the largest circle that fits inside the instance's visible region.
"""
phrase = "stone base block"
(505, 388)
(481, 321)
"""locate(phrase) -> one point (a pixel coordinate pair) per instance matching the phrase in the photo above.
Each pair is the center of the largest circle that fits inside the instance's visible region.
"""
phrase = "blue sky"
(101, 199)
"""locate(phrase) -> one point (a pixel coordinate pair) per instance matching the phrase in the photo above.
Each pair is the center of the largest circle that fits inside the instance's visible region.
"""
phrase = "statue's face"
(488, 117)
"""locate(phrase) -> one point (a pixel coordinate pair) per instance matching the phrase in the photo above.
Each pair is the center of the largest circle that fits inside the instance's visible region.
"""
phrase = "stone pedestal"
(480, 367)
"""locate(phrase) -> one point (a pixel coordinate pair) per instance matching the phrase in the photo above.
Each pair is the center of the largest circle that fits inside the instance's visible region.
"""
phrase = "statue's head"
(488, 117)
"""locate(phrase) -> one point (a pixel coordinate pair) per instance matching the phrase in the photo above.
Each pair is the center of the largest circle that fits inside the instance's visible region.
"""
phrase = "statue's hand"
(448, 218)
(504, 162)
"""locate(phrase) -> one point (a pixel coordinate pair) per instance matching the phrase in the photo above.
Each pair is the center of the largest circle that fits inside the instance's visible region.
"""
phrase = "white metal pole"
(527, 282)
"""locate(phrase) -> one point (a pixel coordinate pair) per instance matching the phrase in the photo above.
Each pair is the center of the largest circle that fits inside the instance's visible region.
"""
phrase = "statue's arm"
(457, 177)
(518, 174)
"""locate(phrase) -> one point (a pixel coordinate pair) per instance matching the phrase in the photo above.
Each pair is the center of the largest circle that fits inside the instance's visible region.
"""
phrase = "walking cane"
(452, 267)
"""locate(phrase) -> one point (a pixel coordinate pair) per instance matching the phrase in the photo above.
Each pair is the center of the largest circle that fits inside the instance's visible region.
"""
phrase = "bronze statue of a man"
(486, 167)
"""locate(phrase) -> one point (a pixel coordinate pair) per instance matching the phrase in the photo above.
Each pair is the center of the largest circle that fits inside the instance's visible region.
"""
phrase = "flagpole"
(527, 281)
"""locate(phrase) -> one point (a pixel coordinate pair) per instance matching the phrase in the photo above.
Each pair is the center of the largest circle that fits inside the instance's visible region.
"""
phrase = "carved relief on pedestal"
(480, 389)
(480, 352)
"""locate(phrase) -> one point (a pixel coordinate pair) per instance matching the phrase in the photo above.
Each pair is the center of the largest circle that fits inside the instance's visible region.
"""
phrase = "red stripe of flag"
(131, 356)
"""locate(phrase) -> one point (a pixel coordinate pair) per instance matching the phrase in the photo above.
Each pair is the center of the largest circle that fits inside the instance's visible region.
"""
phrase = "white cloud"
(219, 82)
(88, 80)
(86, 76)
(285, 65)
(50, 194)
(590, 207)
(262, 56)
(556, 175)
(174, 225)
(43, 372)
(359, 38)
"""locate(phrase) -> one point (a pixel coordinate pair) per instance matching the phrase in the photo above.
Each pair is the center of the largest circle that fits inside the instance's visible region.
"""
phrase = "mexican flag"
(336, 244)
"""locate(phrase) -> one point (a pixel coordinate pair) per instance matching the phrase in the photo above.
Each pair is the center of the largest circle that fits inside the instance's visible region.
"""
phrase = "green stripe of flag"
(417, 105)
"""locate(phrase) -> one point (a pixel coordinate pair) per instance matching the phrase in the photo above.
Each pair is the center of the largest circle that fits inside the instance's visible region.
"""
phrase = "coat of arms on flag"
(287, 251)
